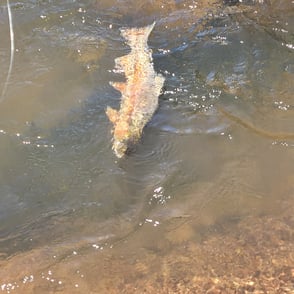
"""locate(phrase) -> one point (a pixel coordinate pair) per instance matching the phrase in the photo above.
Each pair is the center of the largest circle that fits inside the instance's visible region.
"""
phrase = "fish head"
(121, 138)
(125, 137)
(120, 148)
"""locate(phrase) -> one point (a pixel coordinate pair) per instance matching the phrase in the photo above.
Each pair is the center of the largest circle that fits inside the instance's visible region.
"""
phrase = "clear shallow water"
(219, 147)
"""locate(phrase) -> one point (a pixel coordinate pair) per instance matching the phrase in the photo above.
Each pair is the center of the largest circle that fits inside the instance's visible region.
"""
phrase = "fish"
(139, 91)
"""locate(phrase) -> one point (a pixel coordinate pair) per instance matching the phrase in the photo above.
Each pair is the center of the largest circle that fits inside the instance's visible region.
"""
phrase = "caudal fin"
(137, 37)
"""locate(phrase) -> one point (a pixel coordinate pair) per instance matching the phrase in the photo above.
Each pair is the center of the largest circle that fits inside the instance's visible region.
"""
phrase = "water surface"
(219, 149)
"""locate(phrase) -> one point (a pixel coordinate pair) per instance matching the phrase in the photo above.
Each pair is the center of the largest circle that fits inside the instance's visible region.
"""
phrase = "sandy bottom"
(254, 254)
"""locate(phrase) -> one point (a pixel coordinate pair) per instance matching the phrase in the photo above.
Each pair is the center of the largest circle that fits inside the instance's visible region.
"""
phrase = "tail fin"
(137, 37)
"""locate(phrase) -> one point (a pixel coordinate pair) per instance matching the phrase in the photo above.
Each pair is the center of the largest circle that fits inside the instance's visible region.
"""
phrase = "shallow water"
(220, 147)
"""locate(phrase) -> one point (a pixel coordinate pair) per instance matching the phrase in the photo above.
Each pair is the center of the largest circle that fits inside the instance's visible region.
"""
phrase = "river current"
(218, 151)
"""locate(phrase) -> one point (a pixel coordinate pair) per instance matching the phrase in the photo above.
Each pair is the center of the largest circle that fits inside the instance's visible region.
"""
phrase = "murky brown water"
(205, 201)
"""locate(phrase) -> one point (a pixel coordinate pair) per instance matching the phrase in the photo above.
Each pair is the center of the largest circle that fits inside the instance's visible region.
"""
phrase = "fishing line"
(11, 51)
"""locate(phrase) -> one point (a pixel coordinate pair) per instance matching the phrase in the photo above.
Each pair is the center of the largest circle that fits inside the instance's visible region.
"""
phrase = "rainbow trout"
(139, 93)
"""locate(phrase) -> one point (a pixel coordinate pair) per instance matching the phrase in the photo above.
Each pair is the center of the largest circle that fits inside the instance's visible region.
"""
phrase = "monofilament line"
(11, 51)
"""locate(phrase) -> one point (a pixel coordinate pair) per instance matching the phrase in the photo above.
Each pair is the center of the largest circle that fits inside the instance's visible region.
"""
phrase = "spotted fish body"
(139, 93)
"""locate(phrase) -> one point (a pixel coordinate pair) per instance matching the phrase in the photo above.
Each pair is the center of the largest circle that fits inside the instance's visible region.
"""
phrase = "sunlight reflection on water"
(218, 150)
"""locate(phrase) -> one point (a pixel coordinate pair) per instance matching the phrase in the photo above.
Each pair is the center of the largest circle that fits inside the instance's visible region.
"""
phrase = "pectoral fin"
(112, 114)
(118, 86)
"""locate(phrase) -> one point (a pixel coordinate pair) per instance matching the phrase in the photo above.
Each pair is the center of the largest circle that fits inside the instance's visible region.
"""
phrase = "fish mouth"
(123, 148)
(120, 148)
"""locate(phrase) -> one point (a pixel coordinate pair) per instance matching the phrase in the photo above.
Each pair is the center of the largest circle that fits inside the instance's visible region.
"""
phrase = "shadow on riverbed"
(251, 254)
